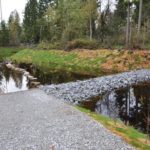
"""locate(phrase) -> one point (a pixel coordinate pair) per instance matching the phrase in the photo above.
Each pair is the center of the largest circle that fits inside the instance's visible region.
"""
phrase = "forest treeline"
(68, 24)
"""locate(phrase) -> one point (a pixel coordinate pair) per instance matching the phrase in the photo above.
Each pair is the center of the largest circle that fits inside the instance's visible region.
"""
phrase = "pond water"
(131, 105)
(12, 81)
(53, 77)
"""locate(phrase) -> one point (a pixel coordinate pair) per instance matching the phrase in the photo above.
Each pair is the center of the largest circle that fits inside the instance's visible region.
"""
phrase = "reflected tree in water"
(18, 78)
(6, 73)
(142, 94)
(131, 105)
(108, 106)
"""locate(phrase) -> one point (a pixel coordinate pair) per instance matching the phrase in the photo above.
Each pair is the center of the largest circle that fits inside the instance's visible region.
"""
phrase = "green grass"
(85, 62)
(131, 135)
(89, 63)
(7, 52)
(56, 60)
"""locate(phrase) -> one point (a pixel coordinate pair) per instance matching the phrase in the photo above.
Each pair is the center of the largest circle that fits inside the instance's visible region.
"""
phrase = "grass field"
(86, 62)
(7, 52)
(131, 135)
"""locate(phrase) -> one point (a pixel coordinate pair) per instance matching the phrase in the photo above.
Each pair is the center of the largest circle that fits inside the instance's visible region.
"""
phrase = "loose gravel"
(75, 92)
(32, 120)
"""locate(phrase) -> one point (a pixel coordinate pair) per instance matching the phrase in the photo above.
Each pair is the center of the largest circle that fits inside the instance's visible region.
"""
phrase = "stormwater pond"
(12, 81)
(131, 105)
(58, 77)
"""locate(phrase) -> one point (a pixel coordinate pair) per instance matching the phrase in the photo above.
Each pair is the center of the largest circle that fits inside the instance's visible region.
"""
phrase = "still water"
(58, 77)
(131, 105)
(12, 81)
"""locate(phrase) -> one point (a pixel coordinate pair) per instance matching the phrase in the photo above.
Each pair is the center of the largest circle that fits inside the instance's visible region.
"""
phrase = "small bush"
(82, 43)
(48, 46)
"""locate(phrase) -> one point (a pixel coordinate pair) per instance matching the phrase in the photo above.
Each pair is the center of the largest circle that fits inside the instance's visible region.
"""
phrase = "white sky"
(9, 5)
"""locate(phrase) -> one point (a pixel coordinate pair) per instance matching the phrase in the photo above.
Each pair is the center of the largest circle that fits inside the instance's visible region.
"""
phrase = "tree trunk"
(128, 29)
(91, 30)
(140, 19)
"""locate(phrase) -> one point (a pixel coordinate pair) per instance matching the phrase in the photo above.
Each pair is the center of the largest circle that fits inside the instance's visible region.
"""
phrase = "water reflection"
(12, 81)
(131, 105)
(47, 77)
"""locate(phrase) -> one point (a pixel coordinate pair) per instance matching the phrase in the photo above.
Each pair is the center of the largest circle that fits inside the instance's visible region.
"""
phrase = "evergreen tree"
(65, 21)
(4, 34)
(43, 6)
(30, 25)
(43, 25)
(120, 13)
(62, 21)
(14, 28)
(105, 29)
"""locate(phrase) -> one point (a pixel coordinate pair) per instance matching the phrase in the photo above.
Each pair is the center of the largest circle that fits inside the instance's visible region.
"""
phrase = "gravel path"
(83, 90)
(32, 120)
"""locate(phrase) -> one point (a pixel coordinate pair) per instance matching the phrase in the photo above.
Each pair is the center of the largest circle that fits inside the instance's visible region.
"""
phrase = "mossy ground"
(131, 135)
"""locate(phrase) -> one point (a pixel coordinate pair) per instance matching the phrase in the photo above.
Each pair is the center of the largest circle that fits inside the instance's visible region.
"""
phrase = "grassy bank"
(95, 62)
(6, 52)
(85, 61)
(131, 135)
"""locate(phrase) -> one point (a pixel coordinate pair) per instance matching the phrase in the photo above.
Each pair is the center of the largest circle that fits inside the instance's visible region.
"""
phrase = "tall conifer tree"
(30, 21)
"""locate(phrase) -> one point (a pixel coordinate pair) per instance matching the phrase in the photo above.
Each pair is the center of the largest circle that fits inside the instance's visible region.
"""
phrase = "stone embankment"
(75, 92)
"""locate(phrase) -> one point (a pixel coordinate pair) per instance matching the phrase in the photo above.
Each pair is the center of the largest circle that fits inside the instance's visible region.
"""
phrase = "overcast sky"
(9, 5)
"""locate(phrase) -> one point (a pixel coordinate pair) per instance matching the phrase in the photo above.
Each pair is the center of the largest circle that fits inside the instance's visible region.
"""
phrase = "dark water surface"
(131, 105)
(53, 77)
(13, 81)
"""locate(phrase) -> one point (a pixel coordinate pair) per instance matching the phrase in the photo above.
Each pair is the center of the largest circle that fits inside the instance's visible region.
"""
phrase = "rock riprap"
(83, 90)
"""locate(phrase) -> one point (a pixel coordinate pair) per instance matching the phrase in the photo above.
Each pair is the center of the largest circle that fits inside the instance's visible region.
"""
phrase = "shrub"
(82, 43)
(48, 46)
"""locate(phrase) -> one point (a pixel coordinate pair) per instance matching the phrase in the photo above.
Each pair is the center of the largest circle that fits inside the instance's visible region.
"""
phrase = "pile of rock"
(83, 90)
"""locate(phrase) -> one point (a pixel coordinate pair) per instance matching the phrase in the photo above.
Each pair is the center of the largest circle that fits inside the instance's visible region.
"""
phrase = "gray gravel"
(32, 120)
(83, 90)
